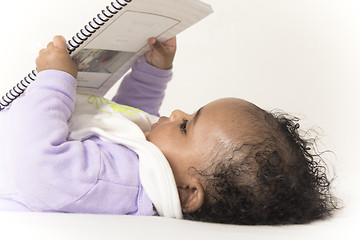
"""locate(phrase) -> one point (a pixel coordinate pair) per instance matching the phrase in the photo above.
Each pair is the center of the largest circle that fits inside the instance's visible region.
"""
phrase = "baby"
(232, 162)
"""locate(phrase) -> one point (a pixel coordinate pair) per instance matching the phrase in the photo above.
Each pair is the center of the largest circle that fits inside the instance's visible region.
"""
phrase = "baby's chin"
(147, 135)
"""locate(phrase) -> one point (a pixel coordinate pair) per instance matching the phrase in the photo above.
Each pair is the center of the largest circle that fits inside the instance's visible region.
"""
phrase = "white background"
(299, 56)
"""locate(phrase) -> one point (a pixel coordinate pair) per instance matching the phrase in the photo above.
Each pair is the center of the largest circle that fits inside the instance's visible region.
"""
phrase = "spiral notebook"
(108, 45)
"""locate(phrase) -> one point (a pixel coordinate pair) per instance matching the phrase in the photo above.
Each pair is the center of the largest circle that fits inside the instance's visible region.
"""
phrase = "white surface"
(299, 56)
(75, 226)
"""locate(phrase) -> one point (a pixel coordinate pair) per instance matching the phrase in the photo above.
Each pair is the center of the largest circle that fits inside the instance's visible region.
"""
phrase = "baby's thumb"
(59, 42)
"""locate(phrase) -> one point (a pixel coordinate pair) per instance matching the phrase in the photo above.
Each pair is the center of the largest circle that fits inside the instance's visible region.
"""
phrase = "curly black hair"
(275, 177)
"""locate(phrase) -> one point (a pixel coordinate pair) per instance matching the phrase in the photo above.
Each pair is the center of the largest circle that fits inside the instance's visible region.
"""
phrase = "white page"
(135, 27)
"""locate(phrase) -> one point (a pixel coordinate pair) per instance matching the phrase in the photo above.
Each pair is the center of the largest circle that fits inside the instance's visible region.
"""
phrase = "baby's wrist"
(144, 66)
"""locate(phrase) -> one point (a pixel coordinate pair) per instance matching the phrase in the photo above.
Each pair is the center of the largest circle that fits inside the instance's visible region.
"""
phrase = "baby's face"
(187, 140)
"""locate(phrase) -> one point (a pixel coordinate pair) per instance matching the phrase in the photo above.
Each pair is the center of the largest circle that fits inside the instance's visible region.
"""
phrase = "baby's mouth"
(154, 125)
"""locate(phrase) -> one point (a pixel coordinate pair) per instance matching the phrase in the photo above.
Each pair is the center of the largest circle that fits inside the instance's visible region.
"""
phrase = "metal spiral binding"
(75, 42)
(17, 90)
(96, 23)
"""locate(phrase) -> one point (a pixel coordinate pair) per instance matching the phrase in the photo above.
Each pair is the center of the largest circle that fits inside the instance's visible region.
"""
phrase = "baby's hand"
(161, 55)
(56, 56)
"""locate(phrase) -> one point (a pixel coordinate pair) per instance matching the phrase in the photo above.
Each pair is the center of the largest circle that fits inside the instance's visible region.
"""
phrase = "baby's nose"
(176, 114)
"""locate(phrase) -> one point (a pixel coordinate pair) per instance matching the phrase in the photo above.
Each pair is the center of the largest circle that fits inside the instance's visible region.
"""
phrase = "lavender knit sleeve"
(144, 87)
(52, 173)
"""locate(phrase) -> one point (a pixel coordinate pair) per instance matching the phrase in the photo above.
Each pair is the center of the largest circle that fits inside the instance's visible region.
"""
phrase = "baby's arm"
(52, 173)
(145, 86)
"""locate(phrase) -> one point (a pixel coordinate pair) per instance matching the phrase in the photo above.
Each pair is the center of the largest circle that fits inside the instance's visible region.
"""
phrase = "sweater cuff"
(55, 79)
(60, 76)
(142, 66)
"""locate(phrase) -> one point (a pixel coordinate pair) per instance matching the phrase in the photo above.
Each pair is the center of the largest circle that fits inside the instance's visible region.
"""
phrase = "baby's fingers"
(171, 43)
(157, 46)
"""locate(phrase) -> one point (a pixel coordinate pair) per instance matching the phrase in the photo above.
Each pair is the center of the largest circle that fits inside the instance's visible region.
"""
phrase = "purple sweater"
(40, 170)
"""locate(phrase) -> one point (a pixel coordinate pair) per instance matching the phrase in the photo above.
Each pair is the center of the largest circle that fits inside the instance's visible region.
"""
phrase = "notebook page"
(107, 55)
(113, 48)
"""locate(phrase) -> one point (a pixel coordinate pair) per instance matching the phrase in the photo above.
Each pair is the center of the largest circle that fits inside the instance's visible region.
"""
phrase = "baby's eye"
(183, 125)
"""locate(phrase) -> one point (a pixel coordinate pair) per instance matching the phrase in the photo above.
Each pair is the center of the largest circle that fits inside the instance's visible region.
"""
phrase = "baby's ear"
(191, 197)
